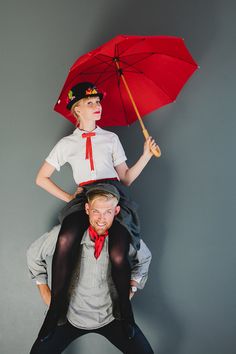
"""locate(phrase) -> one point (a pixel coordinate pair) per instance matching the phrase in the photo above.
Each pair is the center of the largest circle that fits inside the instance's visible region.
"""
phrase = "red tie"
(89, 150)
(98, 239)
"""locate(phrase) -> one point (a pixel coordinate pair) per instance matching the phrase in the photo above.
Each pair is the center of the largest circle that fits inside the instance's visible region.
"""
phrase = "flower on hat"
(91, 91)
(70, 96)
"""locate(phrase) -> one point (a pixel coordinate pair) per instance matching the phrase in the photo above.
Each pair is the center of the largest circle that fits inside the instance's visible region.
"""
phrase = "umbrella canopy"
(155, 69)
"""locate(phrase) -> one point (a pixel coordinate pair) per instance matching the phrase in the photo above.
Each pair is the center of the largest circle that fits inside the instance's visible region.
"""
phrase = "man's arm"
(45, 293)
(37, 253)
(139, 261)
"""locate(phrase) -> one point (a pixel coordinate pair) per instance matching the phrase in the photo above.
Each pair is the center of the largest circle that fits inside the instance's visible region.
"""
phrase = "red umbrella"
(138, 74)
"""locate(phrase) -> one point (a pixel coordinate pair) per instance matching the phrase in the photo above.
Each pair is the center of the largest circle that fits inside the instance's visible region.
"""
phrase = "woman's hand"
(78, 191)
(148, 146)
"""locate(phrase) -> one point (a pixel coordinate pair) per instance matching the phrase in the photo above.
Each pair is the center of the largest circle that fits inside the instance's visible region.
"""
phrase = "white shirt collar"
(80, 132)
(85, 237)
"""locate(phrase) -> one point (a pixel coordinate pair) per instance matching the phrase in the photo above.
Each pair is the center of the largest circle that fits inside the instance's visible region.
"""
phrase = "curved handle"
(157, 151)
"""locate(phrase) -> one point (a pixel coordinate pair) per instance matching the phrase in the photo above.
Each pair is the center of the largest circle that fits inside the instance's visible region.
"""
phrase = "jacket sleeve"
(37, 253)
(140, 261)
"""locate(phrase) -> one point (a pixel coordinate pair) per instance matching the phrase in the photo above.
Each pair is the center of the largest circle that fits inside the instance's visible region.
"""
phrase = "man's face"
(101, 213)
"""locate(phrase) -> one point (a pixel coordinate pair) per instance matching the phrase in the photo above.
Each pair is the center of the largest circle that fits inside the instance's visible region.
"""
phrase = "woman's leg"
(119, 242)
(63, 263)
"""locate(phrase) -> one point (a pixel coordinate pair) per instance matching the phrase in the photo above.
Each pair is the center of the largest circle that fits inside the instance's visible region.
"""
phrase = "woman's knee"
(64, 240)
(72, 228)
(118, 259)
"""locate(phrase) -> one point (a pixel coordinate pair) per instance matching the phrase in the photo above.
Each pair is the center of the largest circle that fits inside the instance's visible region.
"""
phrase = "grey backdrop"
(188, 214)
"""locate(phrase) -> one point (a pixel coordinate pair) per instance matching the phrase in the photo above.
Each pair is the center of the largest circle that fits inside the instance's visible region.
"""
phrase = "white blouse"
(107, 154)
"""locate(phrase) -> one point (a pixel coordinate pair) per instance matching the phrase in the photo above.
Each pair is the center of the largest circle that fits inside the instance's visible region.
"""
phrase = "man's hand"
(131, 295)
(45, 293)
(132, 283)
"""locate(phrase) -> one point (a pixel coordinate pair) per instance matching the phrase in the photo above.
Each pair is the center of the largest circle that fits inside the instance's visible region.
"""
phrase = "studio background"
(186, 198)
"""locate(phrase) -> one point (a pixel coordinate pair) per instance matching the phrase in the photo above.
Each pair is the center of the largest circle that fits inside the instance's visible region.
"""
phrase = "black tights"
(119, 241)
(63, 264)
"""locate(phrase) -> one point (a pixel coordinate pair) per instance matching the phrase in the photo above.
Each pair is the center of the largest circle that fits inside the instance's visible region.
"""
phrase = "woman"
(95, 155)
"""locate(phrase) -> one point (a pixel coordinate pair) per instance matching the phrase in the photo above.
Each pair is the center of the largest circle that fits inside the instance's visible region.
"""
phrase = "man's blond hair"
(94, 195)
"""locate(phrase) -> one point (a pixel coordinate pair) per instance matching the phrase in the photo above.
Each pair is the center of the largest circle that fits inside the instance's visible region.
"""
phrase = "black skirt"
(128, 216)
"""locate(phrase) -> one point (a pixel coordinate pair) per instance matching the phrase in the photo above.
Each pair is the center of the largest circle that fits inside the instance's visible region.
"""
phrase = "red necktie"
(89, 150)
(98, 239)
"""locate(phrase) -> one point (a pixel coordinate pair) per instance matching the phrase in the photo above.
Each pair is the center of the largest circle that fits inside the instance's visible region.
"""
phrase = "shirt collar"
(78, 131)
(85, 238)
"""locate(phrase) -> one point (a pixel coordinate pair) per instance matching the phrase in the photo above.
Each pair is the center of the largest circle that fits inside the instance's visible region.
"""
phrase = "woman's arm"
(128, 174)
(43, 180)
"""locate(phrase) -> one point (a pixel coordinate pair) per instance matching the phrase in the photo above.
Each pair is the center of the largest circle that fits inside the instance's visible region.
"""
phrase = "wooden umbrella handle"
(155, 151)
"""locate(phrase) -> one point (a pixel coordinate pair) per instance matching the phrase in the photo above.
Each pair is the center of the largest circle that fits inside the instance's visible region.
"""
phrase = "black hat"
(104, 188)
(82, 90)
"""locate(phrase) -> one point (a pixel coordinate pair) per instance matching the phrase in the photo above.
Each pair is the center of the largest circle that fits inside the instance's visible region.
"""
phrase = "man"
(93, 300)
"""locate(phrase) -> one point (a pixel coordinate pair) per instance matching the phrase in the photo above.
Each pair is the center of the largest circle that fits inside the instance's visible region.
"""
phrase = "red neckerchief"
(98, 239)
(89, 150)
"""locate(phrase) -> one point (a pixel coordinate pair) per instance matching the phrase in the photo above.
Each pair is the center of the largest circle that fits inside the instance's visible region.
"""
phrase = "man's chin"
(100, 230)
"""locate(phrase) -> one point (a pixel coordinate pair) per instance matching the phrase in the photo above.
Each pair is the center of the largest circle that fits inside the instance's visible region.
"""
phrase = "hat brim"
(70, 104)
(104, 188)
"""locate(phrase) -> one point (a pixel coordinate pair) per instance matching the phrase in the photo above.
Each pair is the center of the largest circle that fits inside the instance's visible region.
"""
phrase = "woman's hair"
(74, 112)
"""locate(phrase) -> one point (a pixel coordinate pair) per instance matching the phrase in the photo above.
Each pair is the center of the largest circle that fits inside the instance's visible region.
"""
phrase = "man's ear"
(87, 208)
(117, 209)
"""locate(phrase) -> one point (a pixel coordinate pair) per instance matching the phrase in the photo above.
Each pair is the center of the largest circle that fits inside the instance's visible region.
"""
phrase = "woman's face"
(89, 109)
